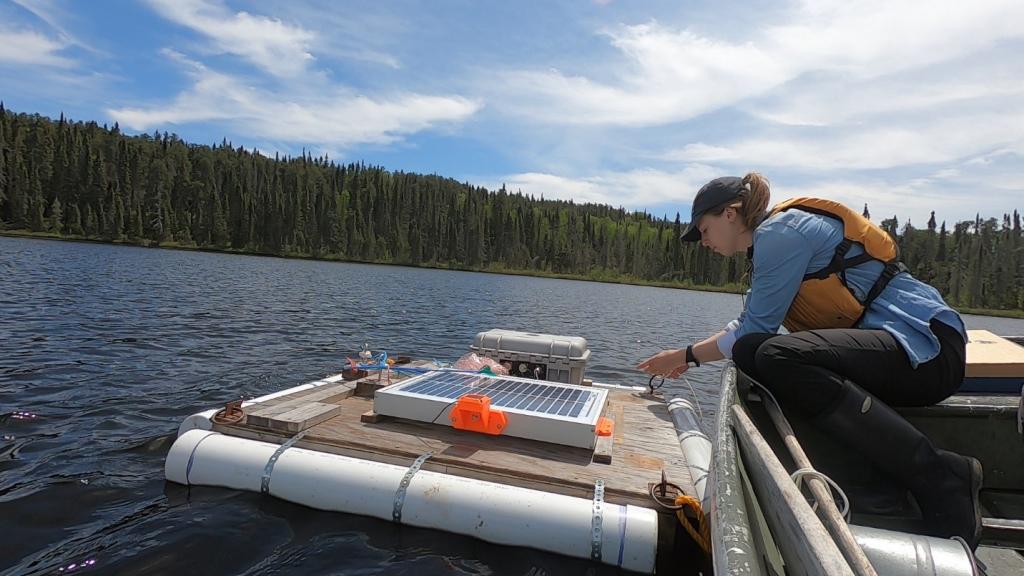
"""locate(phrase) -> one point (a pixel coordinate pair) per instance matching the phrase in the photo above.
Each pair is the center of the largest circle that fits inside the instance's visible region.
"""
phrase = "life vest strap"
(890, 272)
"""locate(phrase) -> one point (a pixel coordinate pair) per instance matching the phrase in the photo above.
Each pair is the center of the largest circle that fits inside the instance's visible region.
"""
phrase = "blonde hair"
(753, 200)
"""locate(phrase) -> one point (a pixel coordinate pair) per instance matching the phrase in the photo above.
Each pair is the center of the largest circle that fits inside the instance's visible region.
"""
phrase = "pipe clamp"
(396, 512)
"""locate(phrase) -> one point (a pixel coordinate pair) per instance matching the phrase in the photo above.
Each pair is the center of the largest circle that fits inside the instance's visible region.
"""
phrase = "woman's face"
(721, 233)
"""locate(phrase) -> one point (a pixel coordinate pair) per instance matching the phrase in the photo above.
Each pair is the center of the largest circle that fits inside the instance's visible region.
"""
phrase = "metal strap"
(269, 468)
(596, 521)
(1020, 414)
(396, 512)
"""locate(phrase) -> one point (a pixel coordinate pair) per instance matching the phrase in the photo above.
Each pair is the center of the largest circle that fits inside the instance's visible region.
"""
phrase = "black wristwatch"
(690, 358)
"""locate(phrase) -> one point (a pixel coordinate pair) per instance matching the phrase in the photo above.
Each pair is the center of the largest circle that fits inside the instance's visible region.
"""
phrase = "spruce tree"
(56, 217)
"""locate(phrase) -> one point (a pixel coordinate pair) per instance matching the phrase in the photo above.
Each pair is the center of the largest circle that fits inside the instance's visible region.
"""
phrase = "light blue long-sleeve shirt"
(793, 243)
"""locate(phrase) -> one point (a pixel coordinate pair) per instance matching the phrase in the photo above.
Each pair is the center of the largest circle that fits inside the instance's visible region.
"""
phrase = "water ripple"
(111, 347)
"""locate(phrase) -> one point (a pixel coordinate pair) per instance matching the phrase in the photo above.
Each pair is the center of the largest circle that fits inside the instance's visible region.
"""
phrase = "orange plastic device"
(473, 412)
(605, 426)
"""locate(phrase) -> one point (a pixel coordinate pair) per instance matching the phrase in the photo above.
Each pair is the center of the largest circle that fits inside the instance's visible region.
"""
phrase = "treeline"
(977, 264)
(83, 180)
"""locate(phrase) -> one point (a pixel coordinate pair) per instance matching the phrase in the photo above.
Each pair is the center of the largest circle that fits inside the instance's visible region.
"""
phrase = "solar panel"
(529, 396)
(548, 411)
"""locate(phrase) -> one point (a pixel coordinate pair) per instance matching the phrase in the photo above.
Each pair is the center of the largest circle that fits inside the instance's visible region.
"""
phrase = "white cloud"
(668, 75)
(633, 189)
(310, 114)
(277, 47)
(912, 200)
(26, 47)
(945, 139)
(878, 37)
(52, 15)
(350, 35)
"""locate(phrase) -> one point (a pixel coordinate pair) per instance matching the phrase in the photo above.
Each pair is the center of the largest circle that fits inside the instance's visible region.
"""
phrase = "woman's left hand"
(669, 363)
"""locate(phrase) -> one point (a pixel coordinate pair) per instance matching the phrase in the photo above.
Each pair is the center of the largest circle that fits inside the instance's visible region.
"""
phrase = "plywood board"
(643, 444)
(992, 356)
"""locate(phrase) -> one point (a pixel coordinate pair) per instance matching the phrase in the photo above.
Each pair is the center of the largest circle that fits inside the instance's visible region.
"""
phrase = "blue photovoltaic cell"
(528, 396)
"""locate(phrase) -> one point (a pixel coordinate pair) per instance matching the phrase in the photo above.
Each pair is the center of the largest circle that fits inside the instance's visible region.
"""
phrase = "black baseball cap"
(712, 195)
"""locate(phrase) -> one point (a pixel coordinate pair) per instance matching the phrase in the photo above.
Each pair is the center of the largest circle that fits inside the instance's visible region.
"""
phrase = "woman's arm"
(672, 363)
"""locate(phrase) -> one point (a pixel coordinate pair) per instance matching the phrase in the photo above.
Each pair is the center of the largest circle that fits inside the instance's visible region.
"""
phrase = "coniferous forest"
(85, 181)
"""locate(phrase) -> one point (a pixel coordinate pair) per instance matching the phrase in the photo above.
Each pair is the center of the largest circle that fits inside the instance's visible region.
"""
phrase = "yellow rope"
(702, 534)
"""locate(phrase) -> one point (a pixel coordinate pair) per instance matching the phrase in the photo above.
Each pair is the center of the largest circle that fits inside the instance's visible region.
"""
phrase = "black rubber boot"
(945, 484)
(944, 505)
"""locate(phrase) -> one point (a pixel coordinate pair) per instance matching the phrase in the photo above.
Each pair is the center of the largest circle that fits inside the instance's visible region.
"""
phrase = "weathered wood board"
(643, 444)
(992, 356)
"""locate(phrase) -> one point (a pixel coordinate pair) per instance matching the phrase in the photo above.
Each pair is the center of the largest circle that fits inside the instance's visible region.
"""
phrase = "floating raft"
(321, 445)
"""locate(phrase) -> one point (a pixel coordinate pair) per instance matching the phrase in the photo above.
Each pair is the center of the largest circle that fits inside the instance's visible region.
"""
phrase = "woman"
(860, 326)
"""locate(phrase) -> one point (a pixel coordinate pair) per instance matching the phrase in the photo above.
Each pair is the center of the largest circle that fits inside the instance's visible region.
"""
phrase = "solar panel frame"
(518, 394)
(523, 395)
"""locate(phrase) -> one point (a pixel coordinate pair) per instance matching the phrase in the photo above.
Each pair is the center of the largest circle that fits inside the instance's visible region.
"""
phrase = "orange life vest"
(825, 300)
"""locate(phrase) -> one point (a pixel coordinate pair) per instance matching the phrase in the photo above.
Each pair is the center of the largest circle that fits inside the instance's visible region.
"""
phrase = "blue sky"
(909, 106)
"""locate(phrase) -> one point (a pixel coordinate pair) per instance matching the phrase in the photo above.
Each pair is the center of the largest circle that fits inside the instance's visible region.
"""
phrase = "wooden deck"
(644, 443)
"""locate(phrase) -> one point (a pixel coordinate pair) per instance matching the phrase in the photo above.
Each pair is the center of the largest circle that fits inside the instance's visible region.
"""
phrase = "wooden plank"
(638, 455)
(328, 394)
(446, 463)
(827, 510)
(604, 444)
(303, 417)
(806, 545)
(992, 356)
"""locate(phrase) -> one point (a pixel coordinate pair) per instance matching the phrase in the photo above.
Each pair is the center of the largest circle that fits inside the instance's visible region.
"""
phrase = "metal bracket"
(232, 413)
(1020, 414)
(269, 468)
(396, 512)
(597, 521)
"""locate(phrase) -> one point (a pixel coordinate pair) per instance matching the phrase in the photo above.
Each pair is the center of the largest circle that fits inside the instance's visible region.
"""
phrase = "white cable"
(798, 478)
(693, 394)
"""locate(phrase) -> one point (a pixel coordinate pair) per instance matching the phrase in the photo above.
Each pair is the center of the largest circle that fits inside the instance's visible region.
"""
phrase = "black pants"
(806, 369)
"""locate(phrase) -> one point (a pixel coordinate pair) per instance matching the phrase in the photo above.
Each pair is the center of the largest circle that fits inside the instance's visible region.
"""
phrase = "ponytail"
(750, 202)
(754, 199)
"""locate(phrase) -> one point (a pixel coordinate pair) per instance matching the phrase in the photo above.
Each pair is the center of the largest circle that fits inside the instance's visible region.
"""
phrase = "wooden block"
(603, 450)
(303, 417)
(372, 417)
(992, 356)
(366, 388)
(329, 394)
(604, 444)
(259, 415)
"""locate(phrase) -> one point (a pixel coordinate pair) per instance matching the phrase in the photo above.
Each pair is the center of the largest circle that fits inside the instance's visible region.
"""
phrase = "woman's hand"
(668, 363)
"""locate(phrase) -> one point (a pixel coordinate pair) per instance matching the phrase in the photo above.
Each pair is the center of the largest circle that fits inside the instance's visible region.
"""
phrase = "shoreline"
(728, 289)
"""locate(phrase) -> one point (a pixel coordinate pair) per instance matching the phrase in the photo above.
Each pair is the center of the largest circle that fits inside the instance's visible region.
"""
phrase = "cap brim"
(692, 234)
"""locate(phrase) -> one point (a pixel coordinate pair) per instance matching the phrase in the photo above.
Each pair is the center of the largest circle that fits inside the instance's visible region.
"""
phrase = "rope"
(799, 476)
(380, 361)
(696, 402)
(702, 533)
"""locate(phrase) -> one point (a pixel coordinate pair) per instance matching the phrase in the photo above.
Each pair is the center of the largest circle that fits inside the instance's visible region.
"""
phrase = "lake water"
(110, 347)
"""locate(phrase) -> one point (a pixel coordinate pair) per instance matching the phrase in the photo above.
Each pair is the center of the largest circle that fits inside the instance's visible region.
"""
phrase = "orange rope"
(702, 533)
